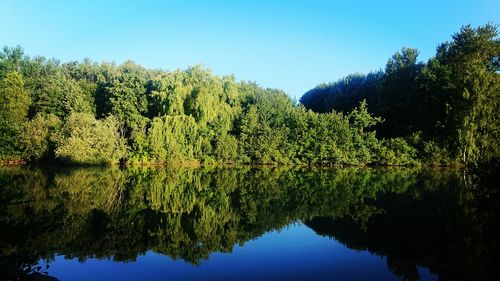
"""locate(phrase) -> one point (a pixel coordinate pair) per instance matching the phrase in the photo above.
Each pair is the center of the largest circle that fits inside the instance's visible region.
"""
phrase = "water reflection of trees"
(448, 224)
(189, 214)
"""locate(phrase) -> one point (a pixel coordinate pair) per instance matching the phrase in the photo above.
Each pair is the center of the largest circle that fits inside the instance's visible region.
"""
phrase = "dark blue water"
(293, 253)
(61, 223)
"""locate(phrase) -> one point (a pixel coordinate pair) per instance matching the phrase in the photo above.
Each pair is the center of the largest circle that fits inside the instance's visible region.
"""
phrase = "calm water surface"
(246, 224)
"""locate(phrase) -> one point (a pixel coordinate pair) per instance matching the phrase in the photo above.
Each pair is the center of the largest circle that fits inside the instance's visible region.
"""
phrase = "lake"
(67, 223)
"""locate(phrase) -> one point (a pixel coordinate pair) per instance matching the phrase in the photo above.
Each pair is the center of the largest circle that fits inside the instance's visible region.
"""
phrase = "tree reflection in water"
(439, 219)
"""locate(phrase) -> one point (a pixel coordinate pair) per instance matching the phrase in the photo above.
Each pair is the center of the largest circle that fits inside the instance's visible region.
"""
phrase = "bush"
(396, 151)
(85, 140)
(37, 138)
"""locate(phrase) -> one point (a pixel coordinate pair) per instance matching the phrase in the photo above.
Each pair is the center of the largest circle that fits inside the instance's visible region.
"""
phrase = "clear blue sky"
(290, 45)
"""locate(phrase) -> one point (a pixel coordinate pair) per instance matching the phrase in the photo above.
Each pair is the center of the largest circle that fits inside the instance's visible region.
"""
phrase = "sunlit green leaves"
(86, 140)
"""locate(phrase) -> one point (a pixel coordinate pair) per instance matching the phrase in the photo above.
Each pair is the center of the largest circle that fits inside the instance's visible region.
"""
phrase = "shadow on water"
(439, 219)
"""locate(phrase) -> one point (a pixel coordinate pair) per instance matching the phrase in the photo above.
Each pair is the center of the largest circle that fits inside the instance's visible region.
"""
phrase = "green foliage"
(322, 138)
(464, 78)
(453, 100)
(15, 99)
(37, 139)
(173, 138)
(365, 143)
(263, 126)
(226, 148)
(11, 59)
(138, 139)
(169, 94)
(443, 112)
(435, 154)
(85, 140)
(14, 103)
(397, 151)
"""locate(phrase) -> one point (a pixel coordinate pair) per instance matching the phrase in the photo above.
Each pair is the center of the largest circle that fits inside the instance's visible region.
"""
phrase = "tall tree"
(400, 97)
(464, 77)
(14, 104)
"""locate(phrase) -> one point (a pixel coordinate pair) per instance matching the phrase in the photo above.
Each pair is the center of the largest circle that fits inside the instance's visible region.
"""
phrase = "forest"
(443, 112)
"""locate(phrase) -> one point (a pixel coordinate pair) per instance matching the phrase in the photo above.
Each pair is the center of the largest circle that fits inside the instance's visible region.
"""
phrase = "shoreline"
(195, 164)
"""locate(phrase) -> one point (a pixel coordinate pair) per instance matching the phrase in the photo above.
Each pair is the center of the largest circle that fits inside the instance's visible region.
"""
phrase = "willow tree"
(173, 138)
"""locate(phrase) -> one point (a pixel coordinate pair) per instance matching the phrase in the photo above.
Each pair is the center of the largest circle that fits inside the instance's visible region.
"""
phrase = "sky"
(289, 45)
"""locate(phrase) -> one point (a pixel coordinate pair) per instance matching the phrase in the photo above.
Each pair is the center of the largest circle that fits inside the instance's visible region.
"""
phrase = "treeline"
(94, 113)
(447, 109)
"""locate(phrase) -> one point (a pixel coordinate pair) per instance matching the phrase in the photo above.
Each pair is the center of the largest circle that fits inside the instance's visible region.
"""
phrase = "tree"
(444, 111)
(14, 104)
(126, 95)
(263, 126)
(345, 94)
(226, 148)
(11, 59)
(37, 139)
(400, 99)
(365, 143)
(464, 79)
(169, 94)
(85, 140)
(173, 138)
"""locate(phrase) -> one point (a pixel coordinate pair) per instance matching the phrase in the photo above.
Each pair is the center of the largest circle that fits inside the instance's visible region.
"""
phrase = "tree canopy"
(440, 112)
(447, 108)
